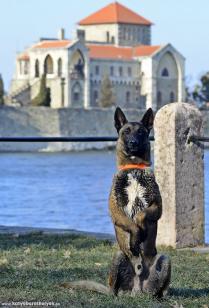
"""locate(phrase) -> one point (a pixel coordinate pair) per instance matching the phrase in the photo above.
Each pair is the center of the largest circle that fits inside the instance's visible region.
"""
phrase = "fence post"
(179, 171)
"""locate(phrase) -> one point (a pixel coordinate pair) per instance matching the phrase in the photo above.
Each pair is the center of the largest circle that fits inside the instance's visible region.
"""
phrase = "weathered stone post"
(179, 171)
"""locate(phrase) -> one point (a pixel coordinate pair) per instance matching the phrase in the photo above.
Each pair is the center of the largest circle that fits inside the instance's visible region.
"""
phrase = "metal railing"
(83, 139)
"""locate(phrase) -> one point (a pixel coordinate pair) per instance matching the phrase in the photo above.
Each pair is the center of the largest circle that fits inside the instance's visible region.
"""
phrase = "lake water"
(62, 190)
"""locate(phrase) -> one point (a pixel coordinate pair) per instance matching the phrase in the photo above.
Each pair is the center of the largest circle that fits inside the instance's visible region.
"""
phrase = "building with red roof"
(113, 43)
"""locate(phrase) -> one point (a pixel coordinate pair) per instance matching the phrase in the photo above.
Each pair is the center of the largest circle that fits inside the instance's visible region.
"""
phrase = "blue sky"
(184, 23)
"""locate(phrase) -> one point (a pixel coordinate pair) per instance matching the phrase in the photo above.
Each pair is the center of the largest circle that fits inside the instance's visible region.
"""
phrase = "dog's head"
(133, 138)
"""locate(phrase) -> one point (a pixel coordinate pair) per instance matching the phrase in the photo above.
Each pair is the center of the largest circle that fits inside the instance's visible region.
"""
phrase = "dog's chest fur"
(135, 190)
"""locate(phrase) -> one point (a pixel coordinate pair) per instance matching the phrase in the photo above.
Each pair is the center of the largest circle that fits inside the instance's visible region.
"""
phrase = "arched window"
(172, 97)
(159, 98)
(77, 93)
(112, 71)
(96, 96)
(59, 65)
(48, 65)
(120, 71)
(37, 71)
(165, 72)
(128, 97)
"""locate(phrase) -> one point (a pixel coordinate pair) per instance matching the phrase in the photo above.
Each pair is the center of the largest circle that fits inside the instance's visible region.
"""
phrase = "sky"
(183, 23)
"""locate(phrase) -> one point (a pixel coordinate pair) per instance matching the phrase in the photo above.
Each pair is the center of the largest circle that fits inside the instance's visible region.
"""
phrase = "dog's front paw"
(140, 220)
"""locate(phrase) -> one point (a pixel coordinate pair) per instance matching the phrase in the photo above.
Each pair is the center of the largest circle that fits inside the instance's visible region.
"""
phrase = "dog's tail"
(87, 285)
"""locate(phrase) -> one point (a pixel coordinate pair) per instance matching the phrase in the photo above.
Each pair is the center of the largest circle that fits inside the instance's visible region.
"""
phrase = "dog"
(135, 202)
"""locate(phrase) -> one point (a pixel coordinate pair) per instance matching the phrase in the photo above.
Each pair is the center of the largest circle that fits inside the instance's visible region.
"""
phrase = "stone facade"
(142, 75)
(119, 34)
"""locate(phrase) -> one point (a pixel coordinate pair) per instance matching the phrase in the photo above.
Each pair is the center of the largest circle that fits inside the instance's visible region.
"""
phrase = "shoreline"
(16, 231)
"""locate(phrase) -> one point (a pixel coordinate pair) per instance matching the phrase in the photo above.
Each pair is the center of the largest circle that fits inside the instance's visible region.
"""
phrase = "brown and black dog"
(135, 207)
(135, 201)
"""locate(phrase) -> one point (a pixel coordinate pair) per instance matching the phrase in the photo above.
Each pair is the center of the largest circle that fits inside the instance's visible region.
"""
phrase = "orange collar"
(133, 166)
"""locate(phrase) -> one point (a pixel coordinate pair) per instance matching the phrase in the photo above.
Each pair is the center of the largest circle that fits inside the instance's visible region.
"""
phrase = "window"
(144, 33)
(48, 65)
(159, 97)
(95, 97)
(165, 73)
(129, 34)
(20, 67)
(128, 96)
(37, 70)
(129, 71)
(25, 67)
(120, 71)
(76, 96)
(97, 70)
(139, 34)
(172, 97)
(123, 35)
(112, 71)
(108, 36)
(113, 40)
(77, 92)
(59, 70)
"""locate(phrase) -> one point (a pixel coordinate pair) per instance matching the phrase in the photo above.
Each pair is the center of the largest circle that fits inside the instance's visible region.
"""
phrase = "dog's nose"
(133, 143)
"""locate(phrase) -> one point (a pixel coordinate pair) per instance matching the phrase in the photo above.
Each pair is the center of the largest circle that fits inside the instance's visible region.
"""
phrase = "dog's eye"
(140, 132)
(127, 131)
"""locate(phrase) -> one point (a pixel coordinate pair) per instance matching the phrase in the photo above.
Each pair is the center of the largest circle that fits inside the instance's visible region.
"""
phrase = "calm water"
(62, 190)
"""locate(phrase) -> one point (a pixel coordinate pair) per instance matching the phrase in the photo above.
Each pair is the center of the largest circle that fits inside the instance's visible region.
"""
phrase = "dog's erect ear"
(148, 119)
(120, 119)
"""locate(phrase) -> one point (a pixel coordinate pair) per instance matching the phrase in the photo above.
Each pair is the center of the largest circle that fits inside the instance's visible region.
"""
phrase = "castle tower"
(116, 25)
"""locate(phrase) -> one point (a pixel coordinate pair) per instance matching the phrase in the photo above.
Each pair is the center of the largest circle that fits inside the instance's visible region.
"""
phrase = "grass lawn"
(32, 267)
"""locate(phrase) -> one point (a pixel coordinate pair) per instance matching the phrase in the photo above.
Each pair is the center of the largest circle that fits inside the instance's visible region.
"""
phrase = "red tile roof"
(53, 44)
(144, 50)
(115, 13)
(109, 52)
(100, 51)
(120, 53)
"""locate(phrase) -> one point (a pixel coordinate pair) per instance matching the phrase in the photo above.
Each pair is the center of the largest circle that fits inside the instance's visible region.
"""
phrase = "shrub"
(107, 98)
(44, 96)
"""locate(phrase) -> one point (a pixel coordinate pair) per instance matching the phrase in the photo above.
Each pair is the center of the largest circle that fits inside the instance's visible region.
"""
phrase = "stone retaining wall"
(42, 121)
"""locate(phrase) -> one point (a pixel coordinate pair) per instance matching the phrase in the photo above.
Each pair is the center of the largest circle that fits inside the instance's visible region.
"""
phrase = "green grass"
(32, 267)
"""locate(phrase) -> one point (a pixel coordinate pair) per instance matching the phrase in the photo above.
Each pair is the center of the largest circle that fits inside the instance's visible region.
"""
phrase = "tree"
(44, 97)
(188, 89)
(201, 91)
(1, 91)
(107, 97)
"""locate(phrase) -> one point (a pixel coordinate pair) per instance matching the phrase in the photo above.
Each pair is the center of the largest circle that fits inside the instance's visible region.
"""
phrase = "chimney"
(61, 34)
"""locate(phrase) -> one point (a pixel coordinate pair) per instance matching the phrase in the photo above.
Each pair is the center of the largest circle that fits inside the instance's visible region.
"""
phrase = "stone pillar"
(179, 171)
